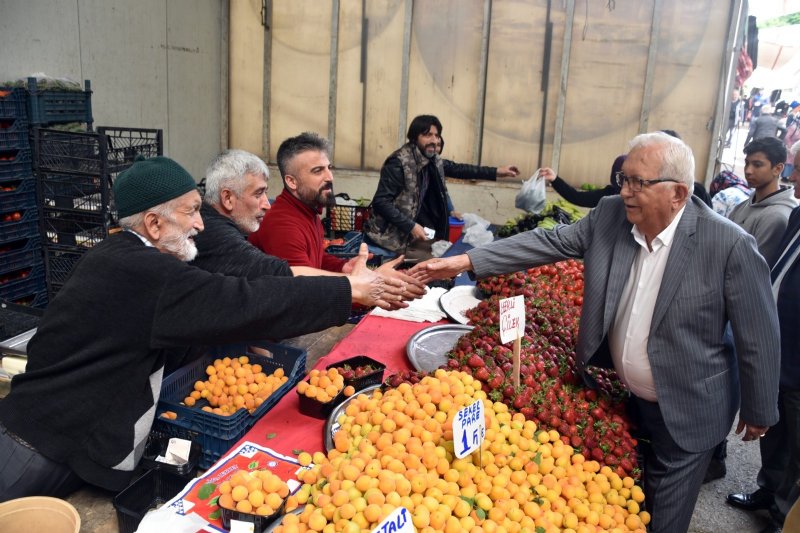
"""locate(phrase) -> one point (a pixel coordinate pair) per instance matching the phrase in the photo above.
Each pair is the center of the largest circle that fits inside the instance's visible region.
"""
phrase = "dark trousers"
(780, 452)
(672, 475)
(26, 472)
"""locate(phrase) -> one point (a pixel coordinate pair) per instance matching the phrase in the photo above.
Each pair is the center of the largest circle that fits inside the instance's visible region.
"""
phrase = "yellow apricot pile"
(233, 383)
(395, 449)
(324, 385)
(259, 492)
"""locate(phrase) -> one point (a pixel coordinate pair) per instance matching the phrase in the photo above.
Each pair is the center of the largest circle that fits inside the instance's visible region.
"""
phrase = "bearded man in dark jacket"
(412, 194)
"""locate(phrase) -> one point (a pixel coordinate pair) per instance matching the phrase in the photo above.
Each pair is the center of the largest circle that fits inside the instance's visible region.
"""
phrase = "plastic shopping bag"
(533, 196)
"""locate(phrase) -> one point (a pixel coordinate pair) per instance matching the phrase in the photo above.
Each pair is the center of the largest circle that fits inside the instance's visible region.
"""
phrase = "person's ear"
(227, 199)
(152, 226)
(777, 170)
(680, 193)
(290, 182)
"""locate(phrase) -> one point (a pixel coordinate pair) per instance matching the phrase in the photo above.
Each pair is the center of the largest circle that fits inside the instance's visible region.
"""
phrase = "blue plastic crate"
(59, 107)
(25, 227)
(349, 248)
(19, 254)
(20, 288)
(15, 164)
(216, 433)
(14, 134)
(13, 103)
(21, 196)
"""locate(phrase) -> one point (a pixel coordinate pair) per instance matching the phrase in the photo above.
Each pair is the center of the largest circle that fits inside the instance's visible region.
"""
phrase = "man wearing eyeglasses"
(663, 275)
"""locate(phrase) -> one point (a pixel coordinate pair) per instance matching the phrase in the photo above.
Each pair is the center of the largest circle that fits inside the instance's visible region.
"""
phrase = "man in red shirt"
(292, 229)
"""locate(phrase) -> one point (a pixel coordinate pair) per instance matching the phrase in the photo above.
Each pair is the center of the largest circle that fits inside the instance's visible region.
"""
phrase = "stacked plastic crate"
(22, 272)
(74, 174)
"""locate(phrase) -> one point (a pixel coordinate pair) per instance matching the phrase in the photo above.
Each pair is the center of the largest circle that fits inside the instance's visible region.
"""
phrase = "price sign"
(397, 522)
(512, 318)
(469, 429)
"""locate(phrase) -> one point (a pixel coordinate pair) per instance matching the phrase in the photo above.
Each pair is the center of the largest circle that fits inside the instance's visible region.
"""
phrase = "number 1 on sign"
(469, 429)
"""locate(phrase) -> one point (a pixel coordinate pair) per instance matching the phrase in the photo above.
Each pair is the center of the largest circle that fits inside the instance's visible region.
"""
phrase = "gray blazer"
(714, 274)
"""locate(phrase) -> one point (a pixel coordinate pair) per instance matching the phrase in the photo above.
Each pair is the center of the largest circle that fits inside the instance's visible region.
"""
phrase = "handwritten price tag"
(512, 318)
(397, 522)
(469, 429)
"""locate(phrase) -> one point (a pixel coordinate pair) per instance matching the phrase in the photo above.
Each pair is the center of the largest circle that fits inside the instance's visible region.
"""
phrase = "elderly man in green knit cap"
(82, 411)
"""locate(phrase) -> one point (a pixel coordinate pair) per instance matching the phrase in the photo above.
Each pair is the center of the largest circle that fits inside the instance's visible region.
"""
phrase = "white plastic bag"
(471, 219)
(476, 230)
(440, 247)
(533, 196)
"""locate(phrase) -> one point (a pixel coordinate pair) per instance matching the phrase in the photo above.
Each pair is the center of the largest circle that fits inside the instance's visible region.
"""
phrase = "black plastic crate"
(13, 103)
(213, 447)
(26, 226)
(37, 299)
(157, 446)
(153, 489)
(48, 106)
(73, 228)
(16, 319)
(82, 192)
(15, 163)
(59, 263)
(14, 134)
(17, 194)
(107, 151)
(216, 433)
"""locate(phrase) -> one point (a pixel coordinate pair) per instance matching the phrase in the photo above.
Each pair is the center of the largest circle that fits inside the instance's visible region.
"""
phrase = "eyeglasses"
(636, 184)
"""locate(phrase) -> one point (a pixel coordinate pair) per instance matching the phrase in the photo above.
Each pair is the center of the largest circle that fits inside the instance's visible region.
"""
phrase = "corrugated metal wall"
(152, 63)
(479, 66)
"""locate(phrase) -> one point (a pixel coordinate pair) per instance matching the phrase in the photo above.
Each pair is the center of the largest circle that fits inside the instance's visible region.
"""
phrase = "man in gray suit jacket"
(663, 275)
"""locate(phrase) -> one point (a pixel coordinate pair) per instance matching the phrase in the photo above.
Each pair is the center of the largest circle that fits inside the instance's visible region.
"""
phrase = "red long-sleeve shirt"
(293, 231)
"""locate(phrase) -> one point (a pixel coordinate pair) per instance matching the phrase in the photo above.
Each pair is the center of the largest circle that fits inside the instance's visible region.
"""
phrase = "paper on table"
(426, 309)
(177, 452)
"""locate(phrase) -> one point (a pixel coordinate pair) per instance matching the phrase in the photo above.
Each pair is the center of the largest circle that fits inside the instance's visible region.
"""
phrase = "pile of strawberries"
(552, 391)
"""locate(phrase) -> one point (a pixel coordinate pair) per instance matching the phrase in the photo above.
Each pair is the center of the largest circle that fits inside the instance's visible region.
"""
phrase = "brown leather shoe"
(754, 501)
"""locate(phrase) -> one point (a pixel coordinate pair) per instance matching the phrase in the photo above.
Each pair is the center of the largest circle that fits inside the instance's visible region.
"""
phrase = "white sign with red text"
(512, 318)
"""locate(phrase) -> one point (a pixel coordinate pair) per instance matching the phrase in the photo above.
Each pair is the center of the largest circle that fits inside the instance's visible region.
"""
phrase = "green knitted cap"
(148, 183)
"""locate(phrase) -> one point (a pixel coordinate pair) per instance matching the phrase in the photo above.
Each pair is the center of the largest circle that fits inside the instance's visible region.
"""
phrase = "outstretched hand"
(508, 171)
(371, 289)
(412, 288)
(547, 174)
(441, 268)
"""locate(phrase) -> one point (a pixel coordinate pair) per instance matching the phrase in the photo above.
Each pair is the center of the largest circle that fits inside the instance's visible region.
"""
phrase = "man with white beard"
(82, 411)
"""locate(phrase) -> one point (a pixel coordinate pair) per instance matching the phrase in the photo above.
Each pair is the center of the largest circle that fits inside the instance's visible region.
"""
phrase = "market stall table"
(285, 429)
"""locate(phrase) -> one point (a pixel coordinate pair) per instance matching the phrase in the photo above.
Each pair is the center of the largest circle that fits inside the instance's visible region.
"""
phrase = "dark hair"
(306, 141)
(772, 147)
(422, 124)
(671, 133)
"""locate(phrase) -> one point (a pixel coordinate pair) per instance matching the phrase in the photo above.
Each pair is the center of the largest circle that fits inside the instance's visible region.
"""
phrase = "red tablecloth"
(284, 428)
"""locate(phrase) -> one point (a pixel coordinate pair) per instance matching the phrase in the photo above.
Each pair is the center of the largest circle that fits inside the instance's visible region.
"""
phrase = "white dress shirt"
(631, 329)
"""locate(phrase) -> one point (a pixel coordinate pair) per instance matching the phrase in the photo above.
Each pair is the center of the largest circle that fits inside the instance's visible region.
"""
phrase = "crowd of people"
(692, 298)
